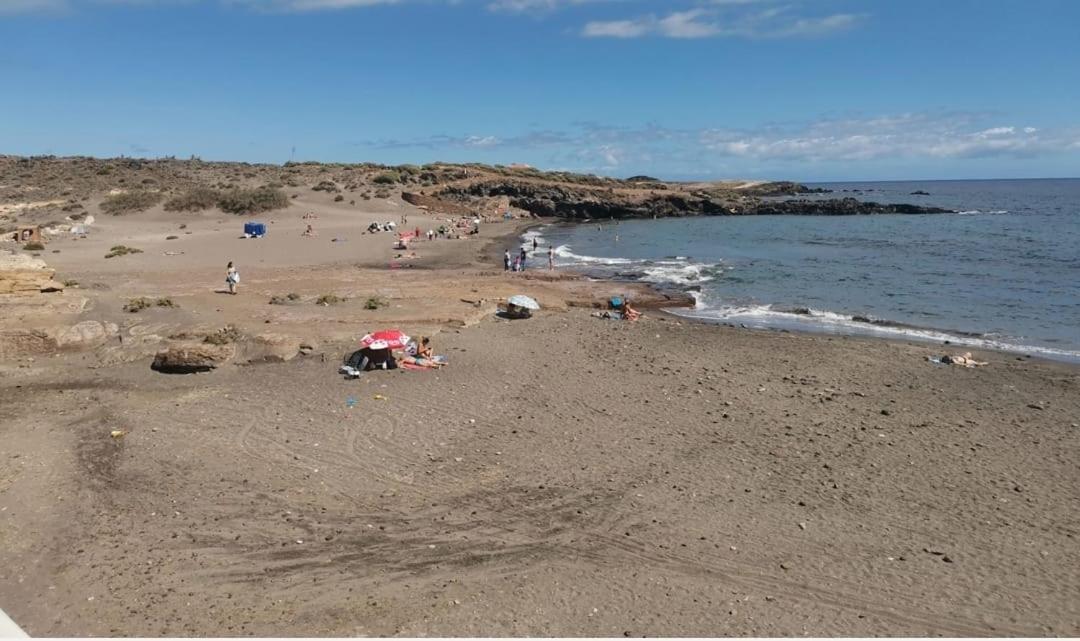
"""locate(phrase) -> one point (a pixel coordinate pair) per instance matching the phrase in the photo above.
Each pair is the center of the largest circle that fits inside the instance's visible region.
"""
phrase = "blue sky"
(686, 89)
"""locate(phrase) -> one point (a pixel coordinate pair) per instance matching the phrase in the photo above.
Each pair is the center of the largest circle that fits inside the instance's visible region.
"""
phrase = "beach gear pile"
(618, 309)
(377, 352)
(377, 227)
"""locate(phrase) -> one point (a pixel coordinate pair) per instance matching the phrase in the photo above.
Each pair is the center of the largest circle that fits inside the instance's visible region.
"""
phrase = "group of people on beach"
(517, 264)
(418, 355)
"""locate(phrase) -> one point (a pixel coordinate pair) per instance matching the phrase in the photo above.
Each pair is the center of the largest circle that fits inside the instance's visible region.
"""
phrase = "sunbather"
(421, 349)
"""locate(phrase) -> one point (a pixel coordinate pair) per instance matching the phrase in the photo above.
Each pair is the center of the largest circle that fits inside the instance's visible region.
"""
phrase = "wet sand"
(563, 475)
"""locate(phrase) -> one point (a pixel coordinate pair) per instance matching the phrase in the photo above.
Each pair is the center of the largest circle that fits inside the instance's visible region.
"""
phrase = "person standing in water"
(535, 244)
(551, 257)
(232, 278)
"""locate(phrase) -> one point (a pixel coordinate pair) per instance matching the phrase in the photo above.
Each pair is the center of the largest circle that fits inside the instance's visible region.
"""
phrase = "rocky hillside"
(45, 189)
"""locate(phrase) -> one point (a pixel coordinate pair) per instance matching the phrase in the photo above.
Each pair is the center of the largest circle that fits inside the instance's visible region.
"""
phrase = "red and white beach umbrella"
(387, 338)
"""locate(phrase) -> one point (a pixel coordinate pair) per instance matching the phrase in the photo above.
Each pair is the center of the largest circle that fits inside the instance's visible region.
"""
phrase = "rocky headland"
(659, 200)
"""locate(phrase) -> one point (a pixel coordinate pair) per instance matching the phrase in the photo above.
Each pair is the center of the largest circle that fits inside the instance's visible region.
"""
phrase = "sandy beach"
(564, 475)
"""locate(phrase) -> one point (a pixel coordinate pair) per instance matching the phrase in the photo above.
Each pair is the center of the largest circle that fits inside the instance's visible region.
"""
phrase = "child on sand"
(232, 278)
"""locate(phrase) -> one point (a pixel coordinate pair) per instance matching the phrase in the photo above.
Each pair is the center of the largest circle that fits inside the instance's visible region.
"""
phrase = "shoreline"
(947, 339)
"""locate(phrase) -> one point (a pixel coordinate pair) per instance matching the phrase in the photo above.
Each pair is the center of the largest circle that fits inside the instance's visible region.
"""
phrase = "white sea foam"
(976, 212)
(677, 273)
(764, 316)
(533, 234)
(568, 257)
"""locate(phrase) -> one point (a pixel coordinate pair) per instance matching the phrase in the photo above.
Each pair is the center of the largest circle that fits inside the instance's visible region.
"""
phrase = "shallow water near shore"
(1004, 273)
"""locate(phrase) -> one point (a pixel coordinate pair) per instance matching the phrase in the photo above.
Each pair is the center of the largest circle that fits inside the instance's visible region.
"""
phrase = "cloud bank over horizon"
(604, 148)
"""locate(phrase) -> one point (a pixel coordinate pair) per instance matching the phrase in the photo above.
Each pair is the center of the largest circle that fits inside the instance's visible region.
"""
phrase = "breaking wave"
(677, 271)
(823, 321)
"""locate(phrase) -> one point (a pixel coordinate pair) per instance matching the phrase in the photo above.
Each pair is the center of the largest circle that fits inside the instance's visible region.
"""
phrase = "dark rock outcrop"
(785, 188)
(581, 203)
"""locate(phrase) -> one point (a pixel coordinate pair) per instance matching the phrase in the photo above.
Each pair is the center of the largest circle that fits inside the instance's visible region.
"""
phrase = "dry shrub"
(130, 202)
(122, 250)
(195, 199)
(329, 299)
(224, 336)
(252, 201)
(138, 304)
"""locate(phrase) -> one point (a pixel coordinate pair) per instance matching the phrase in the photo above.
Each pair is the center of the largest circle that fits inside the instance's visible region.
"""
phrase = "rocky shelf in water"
(581, 203)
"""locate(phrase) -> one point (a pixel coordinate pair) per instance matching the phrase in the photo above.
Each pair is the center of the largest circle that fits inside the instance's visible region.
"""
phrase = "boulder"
(20, 273)
(191, 358)
(267, 348)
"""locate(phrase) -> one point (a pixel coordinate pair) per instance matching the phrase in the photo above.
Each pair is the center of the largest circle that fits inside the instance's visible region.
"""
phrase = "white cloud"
(481, 141)
(310, 5)
(617, 29)
(728, 18)
(997, 131)
(814, 26)
(686, 24)
(904, 135)
(522, 6)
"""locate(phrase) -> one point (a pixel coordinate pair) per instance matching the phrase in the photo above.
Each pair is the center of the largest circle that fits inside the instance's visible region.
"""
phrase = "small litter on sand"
(350, 402)
(117, 433)
(380, 397)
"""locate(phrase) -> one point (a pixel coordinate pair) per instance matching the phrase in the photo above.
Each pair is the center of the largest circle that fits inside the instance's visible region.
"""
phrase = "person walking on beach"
(506, 260)
(524, 255)
(232, 278)
(551, 258)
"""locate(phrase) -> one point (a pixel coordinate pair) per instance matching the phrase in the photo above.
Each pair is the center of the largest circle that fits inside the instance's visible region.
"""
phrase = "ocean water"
(1002, 274)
